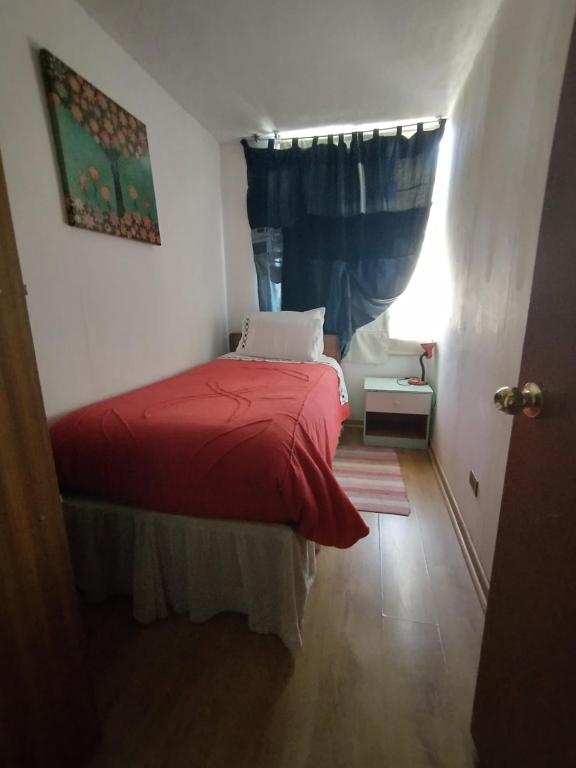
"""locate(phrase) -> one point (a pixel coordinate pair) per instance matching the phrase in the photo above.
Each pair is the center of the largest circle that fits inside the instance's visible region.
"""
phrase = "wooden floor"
(385, 679)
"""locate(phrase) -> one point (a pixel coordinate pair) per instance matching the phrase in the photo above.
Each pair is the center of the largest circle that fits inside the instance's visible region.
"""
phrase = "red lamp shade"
(428, 348)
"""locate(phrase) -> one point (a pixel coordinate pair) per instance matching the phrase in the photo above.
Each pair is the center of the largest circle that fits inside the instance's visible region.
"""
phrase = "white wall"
(503, 126)
(108, 314)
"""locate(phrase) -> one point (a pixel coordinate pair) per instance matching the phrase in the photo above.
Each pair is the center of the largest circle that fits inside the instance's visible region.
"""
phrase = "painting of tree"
(103, 156)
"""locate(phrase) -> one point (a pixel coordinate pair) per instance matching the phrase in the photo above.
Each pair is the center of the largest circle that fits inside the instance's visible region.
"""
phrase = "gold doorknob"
(513, 400)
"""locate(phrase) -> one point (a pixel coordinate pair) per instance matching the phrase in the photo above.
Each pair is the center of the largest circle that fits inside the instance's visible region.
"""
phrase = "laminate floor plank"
(367, 691)
(459, 614)
(406, 588)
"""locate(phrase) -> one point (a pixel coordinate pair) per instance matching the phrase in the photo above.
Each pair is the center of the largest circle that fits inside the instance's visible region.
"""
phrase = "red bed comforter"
(230, 439)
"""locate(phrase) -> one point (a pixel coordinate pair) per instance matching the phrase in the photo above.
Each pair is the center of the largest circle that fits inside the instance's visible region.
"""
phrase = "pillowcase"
(283, 335)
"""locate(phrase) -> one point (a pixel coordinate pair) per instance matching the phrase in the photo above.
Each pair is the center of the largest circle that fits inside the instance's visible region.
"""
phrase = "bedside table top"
(380, 384)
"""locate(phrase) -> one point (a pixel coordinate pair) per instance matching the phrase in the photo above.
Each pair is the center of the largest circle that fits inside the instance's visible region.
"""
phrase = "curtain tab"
(398, 131)
(420, 128)
(270, 143)
(375, 133)
(294, 142)
(340, 139)
(330, 139)
(315, 141)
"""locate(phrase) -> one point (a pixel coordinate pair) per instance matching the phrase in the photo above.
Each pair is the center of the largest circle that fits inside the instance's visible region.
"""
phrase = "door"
(47, 715)
(525, 704)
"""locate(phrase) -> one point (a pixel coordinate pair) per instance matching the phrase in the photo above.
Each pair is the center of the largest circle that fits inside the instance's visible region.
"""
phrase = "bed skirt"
(192, 565)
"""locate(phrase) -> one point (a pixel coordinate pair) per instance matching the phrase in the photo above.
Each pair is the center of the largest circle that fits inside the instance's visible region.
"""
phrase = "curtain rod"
(277, 137)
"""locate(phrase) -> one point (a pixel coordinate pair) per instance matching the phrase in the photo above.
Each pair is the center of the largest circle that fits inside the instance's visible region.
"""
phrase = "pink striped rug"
(372, 479)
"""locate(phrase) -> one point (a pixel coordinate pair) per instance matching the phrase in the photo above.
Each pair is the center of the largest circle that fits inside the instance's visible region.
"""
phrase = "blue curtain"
(340, 225)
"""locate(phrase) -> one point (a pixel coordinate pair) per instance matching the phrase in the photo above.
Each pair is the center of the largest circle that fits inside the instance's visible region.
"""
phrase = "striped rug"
(372, 479)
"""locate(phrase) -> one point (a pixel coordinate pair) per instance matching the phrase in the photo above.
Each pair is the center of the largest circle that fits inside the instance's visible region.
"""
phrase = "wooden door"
(525, 705)
(47, 715)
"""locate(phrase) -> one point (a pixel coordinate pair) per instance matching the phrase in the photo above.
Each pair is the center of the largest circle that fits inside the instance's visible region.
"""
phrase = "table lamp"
(428, 348)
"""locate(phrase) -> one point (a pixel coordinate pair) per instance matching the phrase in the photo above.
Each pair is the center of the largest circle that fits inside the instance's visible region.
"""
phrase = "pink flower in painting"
(113, 106)
(131, 149)
(121, 138)
(108, 125)
(88, 93)
(102, 100)
(97, 113)
(146, 204)
(123, 118)
(99, 216)
(114, 219)
(147, 222)
(128, 219)
(137, 217)
(105, 138)
(142, 234)
(152, 237)
(76, 113)
(93, 171)
(105, 193)
(88, 221)
(62, 90)
(73, 83)
(93, 125)
(54, 98)
(77, 204)
(123, 231)
(133, 192)
(132, 121)
(84, 181)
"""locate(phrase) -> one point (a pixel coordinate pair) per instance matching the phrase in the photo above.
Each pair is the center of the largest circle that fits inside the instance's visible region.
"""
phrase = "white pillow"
(283, 335)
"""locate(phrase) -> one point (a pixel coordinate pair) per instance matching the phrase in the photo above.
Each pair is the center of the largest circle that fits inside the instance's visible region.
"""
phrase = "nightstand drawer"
(397, 402)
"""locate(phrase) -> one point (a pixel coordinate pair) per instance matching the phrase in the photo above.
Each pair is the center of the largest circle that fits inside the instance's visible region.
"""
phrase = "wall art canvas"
(103, 156)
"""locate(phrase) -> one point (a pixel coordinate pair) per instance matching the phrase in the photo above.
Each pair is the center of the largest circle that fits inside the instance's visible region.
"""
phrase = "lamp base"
(416, 382)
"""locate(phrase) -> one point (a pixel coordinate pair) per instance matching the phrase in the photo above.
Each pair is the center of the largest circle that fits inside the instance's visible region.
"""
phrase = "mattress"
(232, 439)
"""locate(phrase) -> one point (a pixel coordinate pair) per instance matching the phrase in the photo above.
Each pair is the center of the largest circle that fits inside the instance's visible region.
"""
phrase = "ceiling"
(246, 66)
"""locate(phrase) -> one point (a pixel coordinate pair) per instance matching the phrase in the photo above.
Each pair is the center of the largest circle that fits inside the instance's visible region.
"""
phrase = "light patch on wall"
(421, 313)
(348, 129)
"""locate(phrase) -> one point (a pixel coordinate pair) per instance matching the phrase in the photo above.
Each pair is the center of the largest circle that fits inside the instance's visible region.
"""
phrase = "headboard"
(331, 344)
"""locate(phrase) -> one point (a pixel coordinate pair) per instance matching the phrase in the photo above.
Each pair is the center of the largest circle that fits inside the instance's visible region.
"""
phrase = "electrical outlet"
(473, 480)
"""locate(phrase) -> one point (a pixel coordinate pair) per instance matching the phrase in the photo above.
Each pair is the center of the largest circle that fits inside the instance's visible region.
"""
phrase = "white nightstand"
(396, 414)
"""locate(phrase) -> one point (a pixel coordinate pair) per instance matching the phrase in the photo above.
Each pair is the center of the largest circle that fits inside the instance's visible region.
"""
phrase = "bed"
(209, 491)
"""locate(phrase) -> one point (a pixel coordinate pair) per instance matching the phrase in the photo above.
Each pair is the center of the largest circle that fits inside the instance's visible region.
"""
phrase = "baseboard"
(477, 573)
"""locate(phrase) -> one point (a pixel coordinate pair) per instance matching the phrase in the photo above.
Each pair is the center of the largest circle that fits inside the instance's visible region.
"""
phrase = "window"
(267, 247)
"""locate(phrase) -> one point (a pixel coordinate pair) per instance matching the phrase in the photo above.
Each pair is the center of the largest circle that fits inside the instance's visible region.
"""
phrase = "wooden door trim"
(523, 709)
(47, 712)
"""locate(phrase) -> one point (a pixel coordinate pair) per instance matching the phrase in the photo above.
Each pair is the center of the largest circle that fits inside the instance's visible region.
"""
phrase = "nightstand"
(397, 414)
